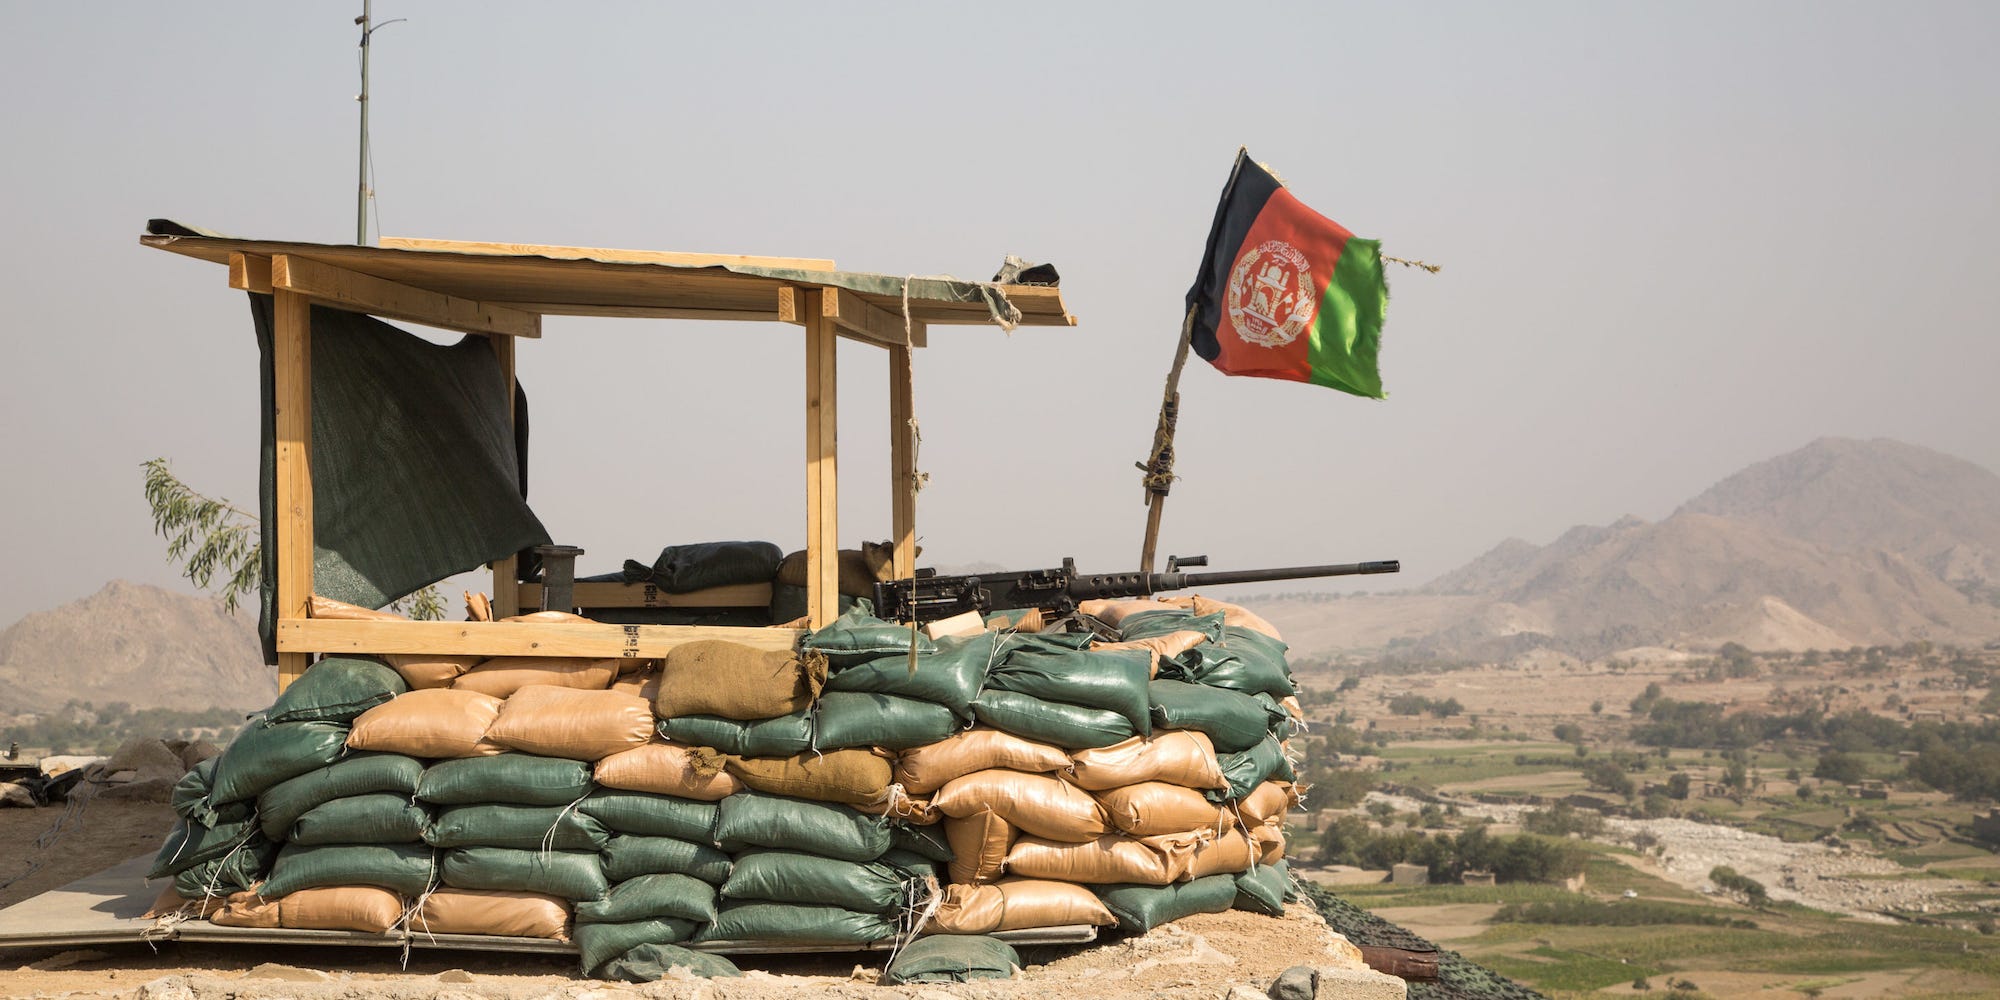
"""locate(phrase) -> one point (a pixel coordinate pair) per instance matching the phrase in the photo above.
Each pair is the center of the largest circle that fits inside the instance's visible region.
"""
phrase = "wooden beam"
(648, 312)
(646, 595)
(514, 638)
(854, 317)
(249, 272)
(365, 293)
(604, 255)
(822, 449)
(291, 383)
(902, 462)
(506, 570)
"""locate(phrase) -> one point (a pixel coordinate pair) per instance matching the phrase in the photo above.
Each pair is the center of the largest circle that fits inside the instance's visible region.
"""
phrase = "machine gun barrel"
(928, 597)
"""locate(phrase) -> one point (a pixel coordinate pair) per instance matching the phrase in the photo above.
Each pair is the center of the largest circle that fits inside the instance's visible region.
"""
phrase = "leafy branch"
(213, 538)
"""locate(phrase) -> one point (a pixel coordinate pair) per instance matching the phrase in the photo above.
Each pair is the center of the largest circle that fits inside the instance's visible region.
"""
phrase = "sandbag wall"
(840, 794)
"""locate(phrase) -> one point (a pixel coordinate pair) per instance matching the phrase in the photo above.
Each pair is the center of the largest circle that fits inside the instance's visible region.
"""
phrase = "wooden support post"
(822, 488)
(902, 462)
(291, 361)
(506, 590)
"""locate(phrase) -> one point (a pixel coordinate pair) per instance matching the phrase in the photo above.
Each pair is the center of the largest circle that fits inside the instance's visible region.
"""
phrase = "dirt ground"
(1198, 958)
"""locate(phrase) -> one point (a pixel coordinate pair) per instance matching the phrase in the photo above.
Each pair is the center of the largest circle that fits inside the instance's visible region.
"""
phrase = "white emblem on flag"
(1271, 298)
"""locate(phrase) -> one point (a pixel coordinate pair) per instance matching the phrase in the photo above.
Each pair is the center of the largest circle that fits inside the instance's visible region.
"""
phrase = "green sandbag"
(191, 792)
(647, 897)
(1283, 726)
(788, 603)
(951, 676)
(652, 962)
(1071, 727)
(572, 875)
(1140, 908)
(924, 841)
(600, 943)
(952, 958)
(1153, 624)
(853, 719)
(1262, 889)
(628, 857)
(517, 778)
(681, 569)
(780, 737)
(1046, 642)
(857, 636)
(192, 842)
(1226, 667)
(793, 877)
(336, 689)
(527, 828)
(1246, 770)
(404, 868)
(375, 818)
(1110, 679)
(238, 871)
(913, 865)
(792, 923)
(263, 756)
(750, 819)
(1265, 658)
(1234, 721)
(652, 815)
(358, 773)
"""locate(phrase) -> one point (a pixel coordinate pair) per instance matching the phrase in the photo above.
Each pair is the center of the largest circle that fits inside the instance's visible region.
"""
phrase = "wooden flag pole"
(1159, 466)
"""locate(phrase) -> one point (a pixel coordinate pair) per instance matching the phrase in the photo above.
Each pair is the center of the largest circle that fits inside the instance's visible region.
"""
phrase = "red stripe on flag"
(1276, 282)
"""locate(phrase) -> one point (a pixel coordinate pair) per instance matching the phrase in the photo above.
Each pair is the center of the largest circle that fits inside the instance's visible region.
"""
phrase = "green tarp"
(417, 471)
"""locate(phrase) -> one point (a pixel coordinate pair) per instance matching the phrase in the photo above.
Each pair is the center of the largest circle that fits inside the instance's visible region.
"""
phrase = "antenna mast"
(366, 22)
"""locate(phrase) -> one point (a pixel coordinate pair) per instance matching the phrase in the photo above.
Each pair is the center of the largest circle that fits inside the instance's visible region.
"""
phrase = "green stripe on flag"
(1347, 332)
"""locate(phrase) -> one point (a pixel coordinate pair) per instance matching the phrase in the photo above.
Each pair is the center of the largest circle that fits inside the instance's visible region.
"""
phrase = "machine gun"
(929, 597)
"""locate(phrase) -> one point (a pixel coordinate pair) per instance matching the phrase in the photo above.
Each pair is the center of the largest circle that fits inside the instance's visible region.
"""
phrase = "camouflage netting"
(844, 793)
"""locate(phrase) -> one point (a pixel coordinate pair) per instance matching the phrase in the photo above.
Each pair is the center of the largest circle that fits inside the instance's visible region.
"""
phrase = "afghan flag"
(1285, 292)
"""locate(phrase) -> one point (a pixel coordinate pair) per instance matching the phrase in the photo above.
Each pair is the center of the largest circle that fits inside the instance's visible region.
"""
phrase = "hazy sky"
(1677, 238)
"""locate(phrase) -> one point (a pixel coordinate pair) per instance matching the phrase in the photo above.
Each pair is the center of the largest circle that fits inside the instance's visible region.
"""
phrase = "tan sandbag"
(1270, 841)
(488, 911)
(1017, 904)
(1108, 860)
(1030, 620)
(169, 902)
(979, 845)
(959, 625)
(363, 908)
(735, 681)
(1234, 614)
(501, 676)
(247, 909)
(668, 769)
(644, 683)
(1114, 611)
(547, 616)
(1160, 646)
(431, 670)
(927, 768)
(1037, 803)
(1224, 855)
(854, 777)
(1150, 808)
(332, 610)
(564, 722)
(1268, 800)
(860, 569)
(1292, 707)
(1176, 756)
(478, 607)
(438, 723)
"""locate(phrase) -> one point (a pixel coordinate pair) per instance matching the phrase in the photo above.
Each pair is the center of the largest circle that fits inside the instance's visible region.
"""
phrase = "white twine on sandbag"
(549, 837)
(921, 899)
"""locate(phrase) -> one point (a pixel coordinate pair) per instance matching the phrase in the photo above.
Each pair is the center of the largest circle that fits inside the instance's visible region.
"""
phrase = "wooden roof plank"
(604, 255)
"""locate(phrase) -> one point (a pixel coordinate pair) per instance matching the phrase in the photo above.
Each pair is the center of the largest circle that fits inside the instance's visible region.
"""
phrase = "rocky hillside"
(137, 644)
(1839, 543)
